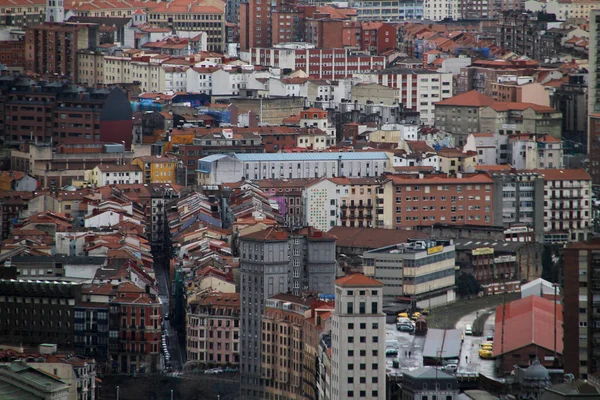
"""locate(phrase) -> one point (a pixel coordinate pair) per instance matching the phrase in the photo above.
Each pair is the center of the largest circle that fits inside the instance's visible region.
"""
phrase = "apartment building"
(358, 339)
(518, 200)
(419, 90)
(491, 148)
(24, 14)
(481, 75)
(36, 312)
(277, 260)
(157, 169)
(282, 346)
(438, 10)
(528, 151)
(288, 193)
(567, 205)
(521, 32)
(341, 202)
(580, 292)
(420, 272)
(424, 200)
(220, 168)
(114, 174)
(594, 146)
(477, 10)
(213, 329)
(393, 10)
(333, 63)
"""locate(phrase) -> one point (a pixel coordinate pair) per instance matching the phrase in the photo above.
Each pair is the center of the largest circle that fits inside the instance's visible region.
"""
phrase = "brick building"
(416, 200)
(213, 329)
(51, 48)
(12, 53)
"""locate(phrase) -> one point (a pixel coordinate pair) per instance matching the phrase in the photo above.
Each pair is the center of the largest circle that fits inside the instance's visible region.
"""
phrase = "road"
(470, 347)
(404, 343)
(162, 279)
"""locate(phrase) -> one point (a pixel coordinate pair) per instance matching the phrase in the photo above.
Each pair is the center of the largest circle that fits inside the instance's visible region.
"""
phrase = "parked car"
(405, 327)
(231, 369)
(468, 330)
(167, 316)
(391, 352)
(486, 354)
(214, 371)
(452, 368)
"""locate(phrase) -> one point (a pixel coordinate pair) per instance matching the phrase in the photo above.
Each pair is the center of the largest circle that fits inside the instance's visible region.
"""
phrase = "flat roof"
(497, 245)
(375, 155)
(446, 341)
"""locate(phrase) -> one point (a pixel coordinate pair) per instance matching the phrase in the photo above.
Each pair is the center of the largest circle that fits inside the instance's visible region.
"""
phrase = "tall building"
(593, 144)
(272, 261)
(581, 290)
(358, 339)
(437, 10)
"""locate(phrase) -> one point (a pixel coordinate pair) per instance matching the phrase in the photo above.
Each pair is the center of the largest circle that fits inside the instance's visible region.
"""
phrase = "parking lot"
(405, 343)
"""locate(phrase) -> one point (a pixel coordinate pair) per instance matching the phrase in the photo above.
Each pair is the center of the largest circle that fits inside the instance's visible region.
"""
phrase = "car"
(403, 315)
(425, 312)
(490, 338)
(167, 316)
(468, 330)
(214, 371)
(391, 352)
(487, 346)
(452, 368)
(486, 354)
(405, 327)
(231, 369)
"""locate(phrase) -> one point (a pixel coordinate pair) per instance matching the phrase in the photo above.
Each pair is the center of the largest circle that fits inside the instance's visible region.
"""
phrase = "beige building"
(454, 161)
(365, 92)
(511, 91)
(510, 118)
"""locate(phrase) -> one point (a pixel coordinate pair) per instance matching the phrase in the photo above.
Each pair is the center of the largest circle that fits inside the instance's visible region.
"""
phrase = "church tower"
(55, 11)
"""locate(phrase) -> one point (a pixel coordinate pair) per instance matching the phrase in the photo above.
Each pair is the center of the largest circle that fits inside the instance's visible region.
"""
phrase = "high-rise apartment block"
(358, 339)
(593, 144)
(273, 261)
(581, 312)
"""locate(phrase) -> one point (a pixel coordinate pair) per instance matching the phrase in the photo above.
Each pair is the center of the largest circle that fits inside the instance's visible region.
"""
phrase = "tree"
(467, 285)
(547, 264)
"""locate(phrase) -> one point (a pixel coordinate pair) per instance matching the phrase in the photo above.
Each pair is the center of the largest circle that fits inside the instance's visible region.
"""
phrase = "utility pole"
(555, 290)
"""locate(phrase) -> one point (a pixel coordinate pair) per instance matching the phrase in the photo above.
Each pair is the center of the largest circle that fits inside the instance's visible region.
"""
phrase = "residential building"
(528, 151)
(358, 339)
(422, 383)
(213, 329)
(282, 347)
(316, 329)
(518, 200)
(277, 260)
(157, 169)
(581, 319)
(520, 89)
(217, 169)
(288, 193)
(51, 47)
(420, 273)
(593, 146)
(395, 10)
(114, 174)
(438, 10)
(56, 167)
(341, 202)
(477, 10)
(567, 205)
(57, 113)
(521, 32)
(91, 325)
(594, 68)
(480, 75)
(317, 118)
(45, 317)
(519, 339)
(419, 90)
(13, 53)
(453, 161)
(31, 14)
(333, 63)
(491, 148)
(425, 200)
(17, 181)
(134, 337)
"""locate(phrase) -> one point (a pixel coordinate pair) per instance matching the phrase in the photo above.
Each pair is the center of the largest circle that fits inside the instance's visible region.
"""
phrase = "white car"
(214, 371)
(452, 368)
(468, 330)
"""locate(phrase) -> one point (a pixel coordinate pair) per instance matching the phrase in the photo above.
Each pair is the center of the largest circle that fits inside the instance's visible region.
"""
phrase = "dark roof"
(60, 258)
(106, 21)
(576, 389)
(448, 341)
(372, 238)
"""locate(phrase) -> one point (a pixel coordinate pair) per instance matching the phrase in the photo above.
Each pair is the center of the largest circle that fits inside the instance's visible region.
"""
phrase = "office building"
(358, 339)
(277, 260)
(419, 273)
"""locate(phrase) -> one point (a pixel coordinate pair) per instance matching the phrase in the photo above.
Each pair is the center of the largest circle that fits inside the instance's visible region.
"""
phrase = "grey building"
(272, 261)
(519, 200)
(428, 383)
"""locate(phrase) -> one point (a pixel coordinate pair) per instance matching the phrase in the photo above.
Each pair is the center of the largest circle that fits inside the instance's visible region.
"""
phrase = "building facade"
(273, 261)
(358, 339)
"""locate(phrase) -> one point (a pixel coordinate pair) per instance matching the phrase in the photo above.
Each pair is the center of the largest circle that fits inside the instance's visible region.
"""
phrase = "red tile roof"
(565, 174)
(529, 321)
(372, 238)
(357, 280)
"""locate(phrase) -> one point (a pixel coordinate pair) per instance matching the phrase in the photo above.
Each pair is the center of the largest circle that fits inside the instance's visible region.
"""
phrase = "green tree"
(467, 285)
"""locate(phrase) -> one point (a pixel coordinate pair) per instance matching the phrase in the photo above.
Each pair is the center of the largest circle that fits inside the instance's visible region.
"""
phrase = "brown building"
(528, 326)
(288, 192)
(12, 53)
(413, 200)
(36, 312)
(51, 48)
(581, 291)
(282, 344)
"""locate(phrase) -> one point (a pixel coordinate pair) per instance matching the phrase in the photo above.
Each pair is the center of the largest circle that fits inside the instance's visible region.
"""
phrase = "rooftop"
(357, 280)
(311, 156)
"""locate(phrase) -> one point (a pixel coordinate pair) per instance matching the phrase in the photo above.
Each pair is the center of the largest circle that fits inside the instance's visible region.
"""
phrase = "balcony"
(352, 207)
(344, 206)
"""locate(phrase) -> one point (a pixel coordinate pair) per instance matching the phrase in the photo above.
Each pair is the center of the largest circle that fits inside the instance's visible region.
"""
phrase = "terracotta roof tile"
(357, 280)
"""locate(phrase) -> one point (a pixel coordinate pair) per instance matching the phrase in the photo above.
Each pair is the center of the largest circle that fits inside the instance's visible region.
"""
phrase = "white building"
(104, 175)
(358, 340)
(567, 205)
(528, 151)
(321, 205)
(220, 168)
(199, 79)
(288, 87)
(491, 148)
(437, 10)
(175, 78)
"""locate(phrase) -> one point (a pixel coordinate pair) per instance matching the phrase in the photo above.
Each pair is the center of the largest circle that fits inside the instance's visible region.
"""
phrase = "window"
(350, 393)
(374, 308)
(350, 353)
(374, 393)
(362, 307)
(375, 325)
(350, 325)
(375, 353)
(363, 325)
(350, 339)
(363, 339)
(375, 379)
(350, 308)
(350, 380)
(374, 366)
(363, 366)
(350, 367)
(363, 393)
(375, 339)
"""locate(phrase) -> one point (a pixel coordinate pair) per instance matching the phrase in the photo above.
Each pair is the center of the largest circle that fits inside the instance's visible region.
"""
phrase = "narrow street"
(470, 347)
(175, 349)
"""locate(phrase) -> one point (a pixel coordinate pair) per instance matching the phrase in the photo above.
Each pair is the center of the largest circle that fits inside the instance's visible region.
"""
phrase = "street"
(162, 278)
(404, 342)
(470, 347)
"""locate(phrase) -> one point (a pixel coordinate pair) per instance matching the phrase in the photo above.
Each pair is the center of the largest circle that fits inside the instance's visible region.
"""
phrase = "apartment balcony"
(352, 207)
(343, 206)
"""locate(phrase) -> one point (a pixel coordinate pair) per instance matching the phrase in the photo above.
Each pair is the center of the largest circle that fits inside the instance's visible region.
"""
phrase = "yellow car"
(486, 354)
(403, 315)
(486, 346)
